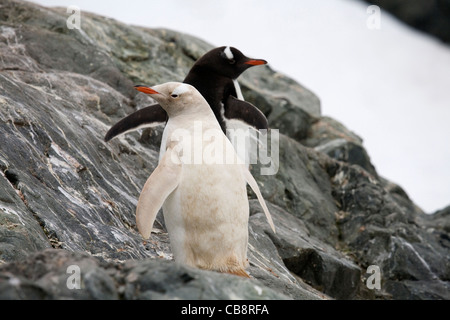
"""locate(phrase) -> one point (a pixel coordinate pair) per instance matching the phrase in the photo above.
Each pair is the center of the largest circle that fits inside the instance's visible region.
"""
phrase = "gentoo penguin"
(214, 75)
(204, 202)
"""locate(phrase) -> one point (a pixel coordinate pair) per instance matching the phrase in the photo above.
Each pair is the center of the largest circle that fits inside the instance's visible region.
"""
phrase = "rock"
(47, 275)
(319, 264)
(439, 220)
(380, 230)
(302, 187)
(60, 274)
(432, 17)
(153, 279)
(69, 198)
(296, 107)
(20, 232)
(332, 138)
(268, 266)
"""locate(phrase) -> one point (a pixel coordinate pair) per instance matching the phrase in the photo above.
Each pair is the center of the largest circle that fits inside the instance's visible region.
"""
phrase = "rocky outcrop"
(52, 274)
(68, 198)
(430, 16)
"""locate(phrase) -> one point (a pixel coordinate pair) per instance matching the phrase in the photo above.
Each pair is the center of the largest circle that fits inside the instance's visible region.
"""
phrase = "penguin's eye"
(231, 61)
(173, 95)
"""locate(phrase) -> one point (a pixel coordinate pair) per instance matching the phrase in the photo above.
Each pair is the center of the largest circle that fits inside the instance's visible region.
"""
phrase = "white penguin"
(201, 185)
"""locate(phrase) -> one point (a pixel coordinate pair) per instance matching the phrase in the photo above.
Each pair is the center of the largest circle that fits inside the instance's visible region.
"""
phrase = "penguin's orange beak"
(256, 62)
(146, 90)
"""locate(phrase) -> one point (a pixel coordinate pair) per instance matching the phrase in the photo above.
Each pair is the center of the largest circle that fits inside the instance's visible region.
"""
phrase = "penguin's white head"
(176, 97)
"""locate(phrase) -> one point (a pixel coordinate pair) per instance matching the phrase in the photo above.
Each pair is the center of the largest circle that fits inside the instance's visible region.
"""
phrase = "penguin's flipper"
(252, 182)
(236, 109)
(146, 117)
(163, 180)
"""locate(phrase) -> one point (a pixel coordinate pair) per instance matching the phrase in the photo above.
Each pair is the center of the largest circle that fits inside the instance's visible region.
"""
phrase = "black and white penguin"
(214, 75)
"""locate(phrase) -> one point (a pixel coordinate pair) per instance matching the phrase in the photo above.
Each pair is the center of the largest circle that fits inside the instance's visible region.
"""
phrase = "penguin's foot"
(239, 272)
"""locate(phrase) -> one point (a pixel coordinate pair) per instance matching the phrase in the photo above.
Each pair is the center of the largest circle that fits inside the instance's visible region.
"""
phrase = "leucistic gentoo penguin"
(215, 76)
(204, 198)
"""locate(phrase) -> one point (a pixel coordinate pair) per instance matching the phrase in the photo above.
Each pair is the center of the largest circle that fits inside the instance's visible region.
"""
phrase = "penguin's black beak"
(146, 90)
(255, 62)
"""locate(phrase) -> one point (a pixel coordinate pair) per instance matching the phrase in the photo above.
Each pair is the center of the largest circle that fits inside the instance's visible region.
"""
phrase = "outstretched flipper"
(236, 109)
(146, 117)
(161, 183)
(252, 182)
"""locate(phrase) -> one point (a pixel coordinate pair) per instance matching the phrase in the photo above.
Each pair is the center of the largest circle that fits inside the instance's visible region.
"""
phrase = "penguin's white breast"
(208, 212)
(214, 206)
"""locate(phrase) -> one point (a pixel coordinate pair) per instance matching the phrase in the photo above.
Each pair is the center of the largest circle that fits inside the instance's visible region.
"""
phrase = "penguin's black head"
(227, 61)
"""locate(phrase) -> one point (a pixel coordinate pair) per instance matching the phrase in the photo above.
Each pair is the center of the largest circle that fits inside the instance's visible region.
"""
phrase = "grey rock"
(378, 229)
(156, 279)
(48, 275)
(302, 187)
(432, 17)
(418, 290)
(296, 107)
(332, 138)
(20, 232)
(438, 221)
(343, 150)
(267, 266)
(317, 263)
